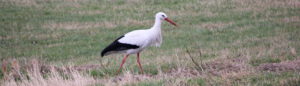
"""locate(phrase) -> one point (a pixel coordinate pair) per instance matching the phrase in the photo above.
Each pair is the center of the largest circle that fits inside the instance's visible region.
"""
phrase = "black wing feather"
(117, 46)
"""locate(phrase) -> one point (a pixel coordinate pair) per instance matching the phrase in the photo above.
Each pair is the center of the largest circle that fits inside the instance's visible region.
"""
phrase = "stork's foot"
(118, 72)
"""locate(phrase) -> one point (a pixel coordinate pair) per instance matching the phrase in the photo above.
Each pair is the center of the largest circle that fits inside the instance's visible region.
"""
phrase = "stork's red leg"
(138, 61)
(123, 61)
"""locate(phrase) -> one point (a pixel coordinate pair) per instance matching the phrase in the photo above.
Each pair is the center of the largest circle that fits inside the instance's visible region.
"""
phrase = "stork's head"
(164, 16)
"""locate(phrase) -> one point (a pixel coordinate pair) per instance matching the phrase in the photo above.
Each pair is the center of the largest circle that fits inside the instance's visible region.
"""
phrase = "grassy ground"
(232, 40)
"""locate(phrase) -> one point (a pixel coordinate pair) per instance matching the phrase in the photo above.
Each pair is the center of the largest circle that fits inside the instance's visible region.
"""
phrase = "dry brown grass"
(126, 78)
(54, 79)
(38, 74)
(181, 74)
(225, 67)
(34, 76)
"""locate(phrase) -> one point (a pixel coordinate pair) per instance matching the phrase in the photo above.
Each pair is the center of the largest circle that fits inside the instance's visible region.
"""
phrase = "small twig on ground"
(201, 61)
(193, 60)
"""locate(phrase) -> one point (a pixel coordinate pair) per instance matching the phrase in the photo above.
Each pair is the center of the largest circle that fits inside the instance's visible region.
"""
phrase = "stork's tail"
(104, 52)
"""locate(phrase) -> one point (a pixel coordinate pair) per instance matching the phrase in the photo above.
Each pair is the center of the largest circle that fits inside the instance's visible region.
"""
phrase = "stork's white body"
(143, 38)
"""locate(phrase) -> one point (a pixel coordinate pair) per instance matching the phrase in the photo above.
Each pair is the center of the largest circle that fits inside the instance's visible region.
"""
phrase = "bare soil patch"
(281, 67)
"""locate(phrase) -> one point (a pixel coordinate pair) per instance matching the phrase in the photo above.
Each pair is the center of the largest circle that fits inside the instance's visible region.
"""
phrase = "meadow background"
(218, 42)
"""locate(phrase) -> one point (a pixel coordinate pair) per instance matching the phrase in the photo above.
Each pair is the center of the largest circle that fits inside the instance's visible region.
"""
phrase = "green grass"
(74, 32)
(271, 79)
(197, 82)
(1, 74)
(256, 62)
(149, 83)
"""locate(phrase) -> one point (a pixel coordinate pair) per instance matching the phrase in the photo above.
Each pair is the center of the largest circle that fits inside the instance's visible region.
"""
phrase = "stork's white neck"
(157, 23)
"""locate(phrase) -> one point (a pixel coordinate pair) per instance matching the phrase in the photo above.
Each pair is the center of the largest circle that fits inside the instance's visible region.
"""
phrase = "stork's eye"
(163, 16)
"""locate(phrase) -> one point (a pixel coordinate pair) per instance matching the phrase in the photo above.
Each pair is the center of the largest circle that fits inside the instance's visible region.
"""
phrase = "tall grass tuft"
(34, 76)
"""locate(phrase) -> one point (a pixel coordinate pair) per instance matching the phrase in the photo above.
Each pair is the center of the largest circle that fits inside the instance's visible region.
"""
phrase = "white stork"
(136, 41)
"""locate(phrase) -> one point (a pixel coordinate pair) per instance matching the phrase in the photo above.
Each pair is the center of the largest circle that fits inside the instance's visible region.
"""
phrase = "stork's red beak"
(170, 21)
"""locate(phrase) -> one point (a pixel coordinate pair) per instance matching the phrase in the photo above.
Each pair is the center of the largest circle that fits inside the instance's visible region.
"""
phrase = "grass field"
(218, 42)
